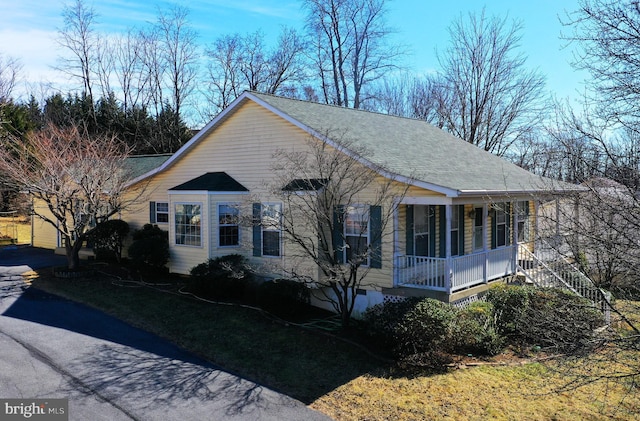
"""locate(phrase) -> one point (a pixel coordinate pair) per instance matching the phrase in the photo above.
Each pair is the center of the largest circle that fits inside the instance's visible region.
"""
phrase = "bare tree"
(351, 49)
(336, 213)
(179, 55)
(79, 180)
(10, 69)
(484, 94)
(608, 36)
(238, 63)
(223, 73)
(78, 36)
(130, 73)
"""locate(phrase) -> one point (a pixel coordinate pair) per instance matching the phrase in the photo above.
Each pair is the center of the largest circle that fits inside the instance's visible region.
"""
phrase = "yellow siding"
(244, 147)
(44, 234)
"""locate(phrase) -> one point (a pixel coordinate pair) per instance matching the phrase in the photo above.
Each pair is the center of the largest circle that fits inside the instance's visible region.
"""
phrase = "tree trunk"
(72, 250)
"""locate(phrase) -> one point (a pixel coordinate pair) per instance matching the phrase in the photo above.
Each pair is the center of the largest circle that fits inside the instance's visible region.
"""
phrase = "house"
(457, 227)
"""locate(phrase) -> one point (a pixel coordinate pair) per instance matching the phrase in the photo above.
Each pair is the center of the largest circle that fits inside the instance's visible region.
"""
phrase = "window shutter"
(152, 212)
(443, 228)
(338, 234)
(461, 221)
(375, 231)
(409, 230)
(432, 230)
(257, 229)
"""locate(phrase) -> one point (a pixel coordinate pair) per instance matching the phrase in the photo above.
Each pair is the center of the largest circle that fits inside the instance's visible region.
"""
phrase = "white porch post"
(396, 242)
(485, 249)
(514, 223)
(447, 242)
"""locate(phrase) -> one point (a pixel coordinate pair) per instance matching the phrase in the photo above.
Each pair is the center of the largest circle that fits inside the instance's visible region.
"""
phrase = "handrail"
(588, 289)
(557, 277)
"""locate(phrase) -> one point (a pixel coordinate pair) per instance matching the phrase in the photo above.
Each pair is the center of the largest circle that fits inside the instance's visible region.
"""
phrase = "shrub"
(560, 320)
(475, 330)
(424, 334)
(509, 303)
(284, 297)
(150, 248)
(108, 238)
(552, 318)
(222, 278)
(381, 320)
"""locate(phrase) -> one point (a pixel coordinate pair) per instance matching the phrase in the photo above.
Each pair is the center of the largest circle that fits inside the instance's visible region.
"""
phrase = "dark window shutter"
(443, 228)
(461, 220)
(375, 231)
(338, 234)
(257, 229)
(432, 230)
(152, 212)
(409, 230)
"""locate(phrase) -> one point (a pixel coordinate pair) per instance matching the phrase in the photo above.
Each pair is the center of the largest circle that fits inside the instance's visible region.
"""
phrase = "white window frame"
(233, 206)
(478, 233)
(522, 218)
(500, 212)
(158, 212)
(455, 230)
(269, 226)
(355, 230)
(199, 236)
(422, 228)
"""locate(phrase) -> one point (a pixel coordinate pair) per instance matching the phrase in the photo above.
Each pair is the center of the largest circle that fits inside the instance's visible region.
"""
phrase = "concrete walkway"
(54, 348)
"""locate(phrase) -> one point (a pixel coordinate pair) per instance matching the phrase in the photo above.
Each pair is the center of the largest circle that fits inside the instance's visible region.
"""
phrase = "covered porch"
(453, 246)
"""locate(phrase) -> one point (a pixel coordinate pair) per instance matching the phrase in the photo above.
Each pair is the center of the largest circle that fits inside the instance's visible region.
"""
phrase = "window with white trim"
(455, 231)
(421, 230)
(356, 233)
(501, 225)
(522, 221)
(271, 224)
(228, 225)
(188, 220)
(162, 212)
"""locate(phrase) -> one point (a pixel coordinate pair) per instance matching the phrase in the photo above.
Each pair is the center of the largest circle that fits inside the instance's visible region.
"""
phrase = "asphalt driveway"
(55, 348)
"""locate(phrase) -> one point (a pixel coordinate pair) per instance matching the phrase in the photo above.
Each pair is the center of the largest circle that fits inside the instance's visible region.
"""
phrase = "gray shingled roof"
(142, 164)
(412, 148)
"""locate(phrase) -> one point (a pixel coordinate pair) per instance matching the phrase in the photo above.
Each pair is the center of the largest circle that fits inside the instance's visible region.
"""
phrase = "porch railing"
(557, 271)
(455, 273)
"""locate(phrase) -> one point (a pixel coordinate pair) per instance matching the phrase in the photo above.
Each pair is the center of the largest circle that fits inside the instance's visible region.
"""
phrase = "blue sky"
(28, 29)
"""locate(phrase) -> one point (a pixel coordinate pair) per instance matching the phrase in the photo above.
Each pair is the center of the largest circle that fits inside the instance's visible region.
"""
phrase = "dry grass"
(16, 227)
(480, 393)
(531, 391)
